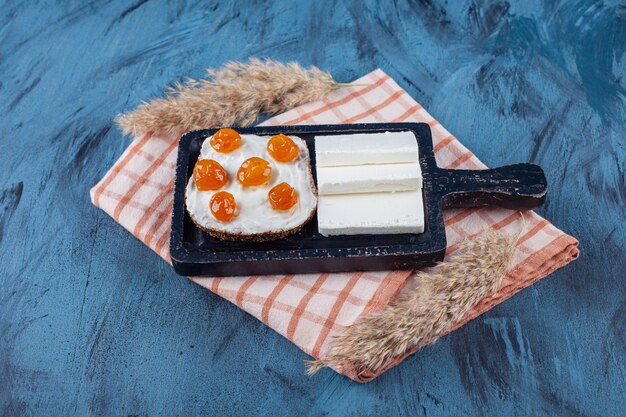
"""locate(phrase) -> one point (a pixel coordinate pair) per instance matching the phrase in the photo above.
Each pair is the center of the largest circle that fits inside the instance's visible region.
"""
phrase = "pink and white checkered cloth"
(309, 309)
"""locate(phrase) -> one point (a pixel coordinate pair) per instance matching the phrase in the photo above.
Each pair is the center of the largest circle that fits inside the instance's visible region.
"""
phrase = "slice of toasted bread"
(256, 220)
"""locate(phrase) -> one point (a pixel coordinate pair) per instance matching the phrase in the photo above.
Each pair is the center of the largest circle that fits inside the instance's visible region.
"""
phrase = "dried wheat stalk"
(234, 95)
(417, 318)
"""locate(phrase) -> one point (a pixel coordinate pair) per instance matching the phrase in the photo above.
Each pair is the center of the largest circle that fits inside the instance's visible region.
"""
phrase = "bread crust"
(259, 237)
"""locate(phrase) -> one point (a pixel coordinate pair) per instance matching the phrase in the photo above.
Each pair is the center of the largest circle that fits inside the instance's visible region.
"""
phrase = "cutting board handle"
(517, 187)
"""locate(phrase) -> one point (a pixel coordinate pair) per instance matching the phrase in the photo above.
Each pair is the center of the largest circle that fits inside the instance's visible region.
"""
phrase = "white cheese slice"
(366, 148)
(369, 178)
(371, 213)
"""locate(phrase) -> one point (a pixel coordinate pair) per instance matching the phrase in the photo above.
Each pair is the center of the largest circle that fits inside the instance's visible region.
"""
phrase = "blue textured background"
(93, 323)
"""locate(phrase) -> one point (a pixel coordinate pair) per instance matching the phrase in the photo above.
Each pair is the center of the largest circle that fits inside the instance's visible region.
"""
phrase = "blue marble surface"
(93, 323)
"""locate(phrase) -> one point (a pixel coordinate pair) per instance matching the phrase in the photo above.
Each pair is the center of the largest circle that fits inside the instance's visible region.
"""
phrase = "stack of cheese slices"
(369, 184)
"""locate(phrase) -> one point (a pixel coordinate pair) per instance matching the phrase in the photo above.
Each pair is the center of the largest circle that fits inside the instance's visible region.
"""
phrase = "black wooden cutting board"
(193, 252)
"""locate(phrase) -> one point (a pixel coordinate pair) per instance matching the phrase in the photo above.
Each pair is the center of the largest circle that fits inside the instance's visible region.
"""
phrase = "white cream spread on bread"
(254, 212)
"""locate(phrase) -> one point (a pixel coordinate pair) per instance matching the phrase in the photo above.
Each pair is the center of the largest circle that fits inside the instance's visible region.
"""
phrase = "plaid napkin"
(310, 309)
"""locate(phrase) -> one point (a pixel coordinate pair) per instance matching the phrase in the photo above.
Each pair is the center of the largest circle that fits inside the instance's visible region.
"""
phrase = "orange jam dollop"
(223, 206)
(225, 140)
(254, 171)
(282, 148)
(283, 196)
(209, 175)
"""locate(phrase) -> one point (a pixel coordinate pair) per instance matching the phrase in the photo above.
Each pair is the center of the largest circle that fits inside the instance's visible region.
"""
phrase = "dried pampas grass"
(234, 95)
(418, 317)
